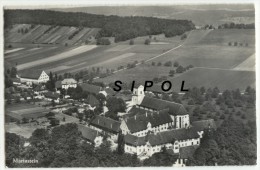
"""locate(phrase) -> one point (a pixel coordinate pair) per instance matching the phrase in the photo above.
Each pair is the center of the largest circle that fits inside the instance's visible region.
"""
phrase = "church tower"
(138, 95)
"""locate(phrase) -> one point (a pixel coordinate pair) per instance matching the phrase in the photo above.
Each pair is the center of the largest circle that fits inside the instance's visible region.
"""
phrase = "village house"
(49, 96)
(16, 81)
(154, 142)
(66, 83)
(106, 126)
(90, 135)
(33, 77)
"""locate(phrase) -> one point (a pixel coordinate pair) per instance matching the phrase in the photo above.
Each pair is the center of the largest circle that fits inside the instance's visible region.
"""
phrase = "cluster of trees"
(23, 30)
(63, 147)
(9, 74)
(122, 28)
(236, 26)
(103, 41)
(233, 143)
(114, 106)
(237, 44)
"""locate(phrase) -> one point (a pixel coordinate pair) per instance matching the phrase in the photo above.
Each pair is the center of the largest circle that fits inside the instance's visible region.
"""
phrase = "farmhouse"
(106, 126)
(66, 83)
(92, 136)
(154, 142)
(33, 76)
(177, 112)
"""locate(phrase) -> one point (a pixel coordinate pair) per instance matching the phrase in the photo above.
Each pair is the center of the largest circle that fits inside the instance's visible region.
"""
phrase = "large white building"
(153, 124)
(33, 76)
(66, 83)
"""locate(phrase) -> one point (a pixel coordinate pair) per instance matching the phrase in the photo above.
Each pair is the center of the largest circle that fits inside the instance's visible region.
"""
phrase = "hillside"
(198, 14)
(47, 34)
(122, 28)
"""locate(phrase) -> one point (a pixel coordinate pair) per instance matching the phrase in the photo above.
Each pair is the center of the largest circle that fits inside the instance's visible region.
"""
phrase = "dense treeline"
(236, 26)
(122, 28)
(64, 147)
(233, 143)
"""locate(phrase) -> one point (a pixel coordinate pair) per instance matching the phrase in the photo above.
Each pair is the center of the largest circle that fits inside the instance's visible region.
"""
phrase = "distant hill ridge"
(122, 28)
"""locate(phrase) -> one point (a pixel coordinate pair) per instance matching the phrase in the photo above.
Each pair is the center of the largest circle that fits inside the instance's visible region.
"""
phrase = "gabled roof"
(158, 104)
(92, 100)
(31, 74)
(204, 124)
(88, 133)
(139, 122)
(68, 81)
(91, 88)
(162, 137)
(106, 124)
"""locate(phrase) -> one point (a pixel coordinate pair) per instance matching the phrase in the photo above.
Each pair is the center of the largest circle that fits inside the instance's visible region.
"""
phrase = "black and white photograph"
(129, 85)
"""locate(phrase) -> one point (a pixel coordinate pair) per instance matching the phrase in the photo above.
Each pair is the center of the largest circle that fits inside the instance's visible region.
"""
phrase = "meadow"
(207, 50)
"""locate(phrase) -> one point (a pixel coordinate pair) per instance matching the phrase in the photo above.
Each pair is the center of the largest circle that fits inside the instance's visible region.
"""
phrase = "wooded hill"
(122, 28)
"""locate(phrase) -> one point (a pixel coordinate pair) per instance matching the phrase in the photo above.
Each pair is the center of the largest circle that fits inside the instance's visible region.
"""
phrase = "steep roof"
(163, 137)
(204, 124)
(91, 88)
(106, 124)
(158, 104)
(88, 133)
(139, 122)
(31, 74)
(69, 81)
(92, 100)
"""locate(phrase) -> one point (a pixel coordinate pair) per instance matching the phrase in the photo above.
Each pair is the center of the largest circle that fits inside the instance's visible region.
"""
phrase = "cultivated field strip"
(57, 57)
(47, 34)
(13, 50)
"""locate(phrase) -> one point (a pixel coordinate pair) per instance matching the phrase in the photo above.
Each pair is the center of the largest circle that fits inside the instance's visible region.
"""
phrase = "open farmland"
(216, 63)
(47, 34)
(210, 78)
(57, 57)
(140, 74)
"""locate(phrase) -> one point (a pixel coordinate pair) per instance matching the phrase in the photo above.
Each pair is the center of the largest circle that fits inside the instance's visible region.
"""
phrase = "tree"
(171, 73)
(131, 42)
(168, 64)
(147, 42)
(229, 43)
(13, 72)
(180, 69)
(176, 64)
(159, 63)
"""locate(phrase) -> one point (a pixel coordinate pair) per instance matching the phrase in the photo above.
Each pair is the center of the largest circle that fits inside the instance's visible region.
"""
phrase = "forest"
(122, 28)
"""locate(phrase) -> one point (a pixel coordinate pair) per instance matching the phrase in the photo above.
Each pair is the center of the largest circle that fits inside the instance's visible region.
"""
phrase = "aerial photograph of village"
(130, 86)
